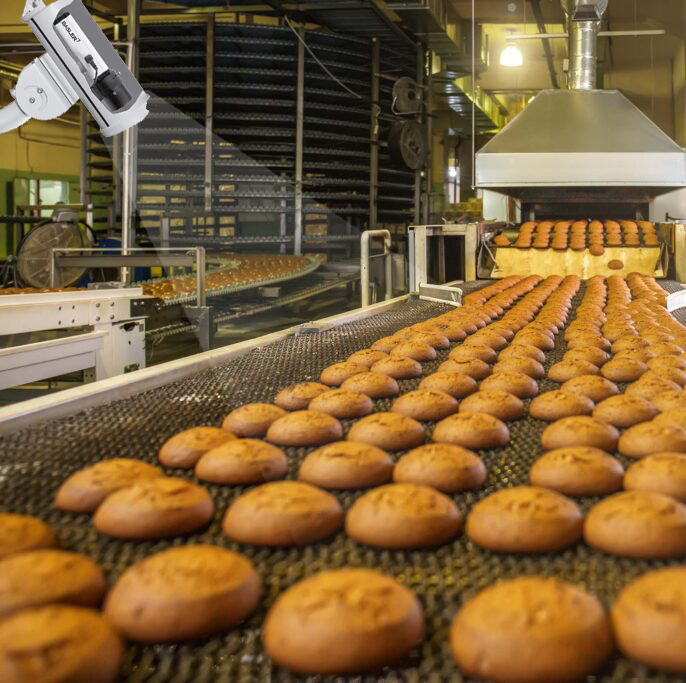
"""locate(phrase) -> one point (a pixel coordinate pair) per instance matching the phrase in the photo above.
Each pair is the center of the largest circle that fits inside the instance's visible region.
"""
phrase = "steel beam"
(209, 111)
(299, 144)
(538, 16)
(374, 147)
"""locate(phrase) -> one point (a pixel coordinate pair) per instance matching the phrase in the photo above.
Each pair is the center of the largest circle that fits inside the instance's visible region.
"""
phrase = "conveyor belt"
(35, 461)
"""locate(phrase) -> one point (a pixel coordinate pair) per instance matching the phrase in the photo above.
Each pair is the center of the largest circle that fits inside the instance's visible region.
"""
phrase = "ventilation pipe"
(583, 24)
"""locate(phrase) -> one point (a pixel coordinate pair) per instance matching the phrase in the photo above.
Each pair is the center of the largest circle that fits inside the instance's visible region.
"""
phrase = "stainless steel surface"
(365, 264)
(583, 54)
(374, 146)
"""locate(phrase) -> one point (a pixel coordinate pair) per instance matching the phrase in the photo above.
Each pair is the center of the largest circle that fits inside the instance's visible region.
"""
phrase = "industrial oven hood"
(573, 139)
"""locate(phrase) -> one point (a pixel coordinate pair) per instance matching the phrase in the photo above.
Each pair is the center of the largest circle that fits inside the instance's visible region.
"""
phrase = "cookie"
(367, 357)
(442, 466)
(385, 344)
(623, 369)
(432, 336)
(252, 419)
(648, 437)
(590, 354)
(344, 404)
(516, 383)
(388, 431)
(472, 430)
(535, 338)
(647, 619)
(182, 450)
(452, 383)
(304, 428)
(531, 629)
(184, 593)
(567, 369)
(500, 404)
(592, 386)
(398, 367)
(624, 410)
(19, 533)
(580, 431)
(334, 375)
(475, 368)
(479, 351)
(372, 384)
(670, 400)
(298, 396)
(44, 577)
(59, 643)
(578, 471)
(346, 465)
(243, 461)
(638, 524)
(283, 513)
(520, 350)
(554, 405)
(528, 366)
(425, 404)
(403, 516)
(524, 519)
(660, 472)
(154, 508)
(343, 621)
(676, 417)
(420, 351)
(663, 362)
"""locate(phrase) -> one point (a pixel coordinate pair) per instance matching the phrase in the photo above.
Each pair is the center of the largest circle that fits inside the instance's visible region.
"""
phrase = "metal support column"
(429, 135)
(115, 211)
(299, 143)
(418, 174)
(83, 152)
(374, 149)
(209, 111)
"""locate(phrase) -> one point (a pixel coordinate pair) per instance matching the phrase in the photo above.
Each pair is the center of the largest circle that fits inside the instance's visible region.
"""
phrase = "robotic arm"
(80, 64)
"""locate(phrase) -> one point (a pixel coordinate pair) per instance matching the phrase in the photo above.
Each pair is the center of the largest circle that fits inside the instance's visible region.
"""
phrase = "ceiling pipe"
(583, 25)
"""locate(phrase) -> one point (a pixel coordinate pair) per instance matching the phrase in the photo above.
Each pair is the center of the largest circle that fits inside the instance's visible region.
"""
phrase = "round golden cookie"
(670, 400)
(567, 369)
(582, 341)
(590, 354)
(650, 385)
(373, 384)
(184, 593)
(451, 383)
(342, 403)
(283, 513)
(524, 519)
(19, 533)
(398, 367)
(432, 336)
(388, 431)
(425, 404)
(623, 369)
(59, 644)
(242, 461)
(592, 386)
(184, 449)
(536, 338)
(649, 437)
(578, 471)
(666, 348)
(671, 374)
(475, 368)
(343, 621)
(638, 524)
(385, 344)
(520, 350)
(442, 466)
(466, 352)
(472, 430)
(554, 405)
(660, 472)
(624, 410)
(305, 428)
(298, 396)
(499, 404)
(516, 383)
(154, 508)
(580, 431)
(367, 357)
(528, 366)
(647, 619)
(676, 417)
(416, 350)
(44, 577)
(403, 516)
(346, 465)
(531, 629)
(662, 362)
(489, 338)
(252, 419)
(334, 375)
(84, 490)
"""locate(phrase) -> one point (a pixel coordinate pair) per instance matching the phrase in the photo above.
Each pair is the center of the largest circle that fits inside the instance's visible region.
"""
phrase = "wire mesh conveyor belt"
(35, 462)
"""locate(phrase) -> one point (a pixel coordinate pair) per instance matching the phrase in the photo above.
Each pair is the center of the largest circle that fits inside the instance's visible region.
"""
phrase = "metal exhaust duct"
(583, 24)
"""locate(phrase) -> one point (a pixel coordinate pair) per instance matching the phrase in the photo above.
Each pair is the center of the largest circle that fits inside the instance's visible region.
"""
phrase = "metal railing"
(365, 263)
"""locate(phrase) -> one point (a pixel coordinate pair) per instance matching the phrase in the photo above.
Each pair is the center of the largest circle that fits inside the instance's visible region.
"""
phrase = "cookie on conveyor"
(528, 366)
(500, 404)
(398, 367)
(578, 471)
(648, 619)
(638, 524)
(568, 369)
(19, 533)
(185, 593)
(298, 396)
(242, 461)
(304, 428)
(425, 404)
(650, 437)
(592, 386)
(516, 383)
(466, 352)
(443, 466)
(623, 369)
(388, 431)
(346, 465)
(580, 431)
(84, 490)
(372, 384)
(660, 472)
(592, 354)
(531, 629)
(252, 419)
(670, 400)
(343, 621)
(455, 384)
(334, 375)
(154, 508)
(283, 513)
(472, 430)
(524, 519)
(624, 410)
(403, 516)
(344, 404)
(59, 644)
(554, 405)
(522, 351)
(474, 367)
(416, 350)
(185, 448)
(367, 357)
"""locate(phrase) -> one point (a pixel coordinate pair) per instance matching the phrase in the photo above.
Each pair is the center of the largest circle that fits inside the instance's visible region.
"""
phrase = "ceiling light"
(511, 56)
